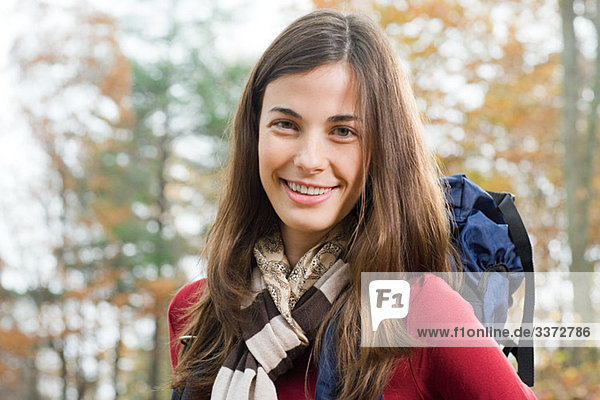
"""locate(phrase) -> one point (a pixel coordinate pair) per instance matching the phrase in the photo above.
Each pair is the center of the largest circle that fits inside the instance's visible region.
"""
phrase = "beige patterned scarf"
(286, 284)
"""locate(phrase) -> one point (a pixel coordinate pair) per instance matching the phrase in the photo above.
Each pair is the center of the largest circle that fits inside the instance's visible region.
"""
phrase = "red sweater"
(429, 373)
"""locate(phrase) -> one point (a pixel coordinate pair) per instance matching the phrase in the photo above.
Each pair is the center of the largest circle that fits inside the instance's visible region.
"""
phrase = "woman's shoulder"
(177, 314)
(433, 299)
(430, 283)
(185, 297)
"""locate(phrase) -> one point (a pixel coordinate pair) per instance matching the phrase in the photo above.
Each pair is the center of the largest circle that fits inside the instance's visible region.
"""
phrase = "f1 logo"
(389, 299)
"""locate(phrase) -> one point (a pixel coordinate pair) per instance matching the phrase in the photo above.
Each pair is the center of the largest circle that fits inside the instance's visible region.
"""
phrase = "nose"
(311, 153)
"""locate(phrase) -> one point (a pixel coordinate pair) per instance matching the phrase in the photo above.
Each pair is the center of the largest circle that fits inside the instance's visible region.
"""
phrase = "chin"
(310, 228)
(305, 226)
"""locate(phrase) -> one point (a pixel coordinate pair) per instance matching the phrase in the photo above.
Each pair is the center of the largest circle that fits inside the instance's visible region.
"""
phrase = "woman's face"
(309, 152)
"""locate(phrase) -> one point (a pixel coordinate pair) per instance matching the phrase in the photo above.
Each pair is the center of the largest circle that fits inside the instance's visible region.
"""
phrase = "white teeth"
(310, 190)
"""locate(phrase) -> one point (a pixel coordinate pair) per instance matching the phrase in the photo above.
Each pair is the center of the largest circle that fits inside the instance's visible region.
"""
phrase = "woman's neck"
(297, 243)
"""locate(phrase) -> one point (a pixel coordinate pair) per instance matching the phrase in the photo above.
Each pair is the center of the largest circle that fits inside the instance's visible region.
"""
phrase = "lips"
(307, 194)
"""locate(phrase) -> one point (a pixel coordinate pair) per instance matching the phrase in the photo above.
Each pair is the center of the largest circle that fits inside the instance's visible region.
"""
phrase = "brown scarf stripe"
(258, 314)
(286, 363)
(314, 302)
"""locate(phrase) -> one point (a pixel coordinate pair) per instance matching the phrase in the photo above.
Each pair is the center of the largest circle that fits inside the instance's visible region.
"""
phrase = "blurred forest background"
(114, 134)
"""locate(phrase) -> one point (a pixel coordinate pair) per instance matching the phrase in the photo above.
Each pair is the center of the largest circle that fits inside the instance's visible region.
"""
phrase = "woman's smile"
(307, 194)
(307, 188)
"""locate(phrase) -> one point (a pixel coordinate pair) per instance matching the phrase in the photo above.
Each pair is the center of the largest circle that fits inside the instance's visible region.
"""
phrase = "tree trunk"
(164, 145)
(31, 380)
(60, 346)
(82, 385)
(118, 346)
(155, 358)
(577, 162)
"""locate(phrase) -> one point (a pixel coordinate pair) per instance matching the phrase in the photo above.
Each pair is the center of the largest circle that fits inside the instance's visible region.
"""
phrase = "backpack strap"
(516, 229)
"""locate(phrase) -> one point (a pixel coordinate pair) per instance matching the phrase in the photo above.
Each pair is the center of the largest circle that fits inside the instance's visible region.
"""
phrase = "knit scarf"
(287, 307)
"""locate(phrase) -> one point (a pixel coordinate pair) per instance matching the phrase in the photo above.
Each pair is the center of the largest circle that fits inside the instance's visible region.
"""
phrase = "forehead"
(325, 88)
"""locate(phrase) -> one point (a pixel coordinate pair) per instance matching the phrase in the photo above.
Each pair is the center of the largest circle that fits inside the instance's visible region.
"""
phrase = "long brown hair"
(402, 222)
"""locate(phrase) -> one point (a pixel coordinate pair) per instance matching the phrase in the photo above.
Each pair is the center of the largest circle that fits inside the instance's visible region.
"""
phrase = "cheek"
(269, 158)
(352, 164)
(263, 158)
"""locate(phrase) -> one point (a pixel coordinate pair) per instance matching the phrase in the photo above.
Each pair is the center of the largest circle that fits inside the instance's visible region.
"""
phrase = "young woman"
(328, 177)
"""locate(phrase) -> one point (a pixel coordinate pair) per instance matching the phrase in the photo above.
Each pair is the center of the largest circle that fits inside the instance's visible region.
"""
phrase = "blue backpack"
(489, 236)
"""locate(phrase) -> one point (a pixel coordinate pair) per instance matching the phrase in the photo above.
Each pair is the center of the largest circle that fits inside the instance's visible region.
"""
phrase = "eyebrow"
(287, 111)
(342, 118)
(333, 118)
